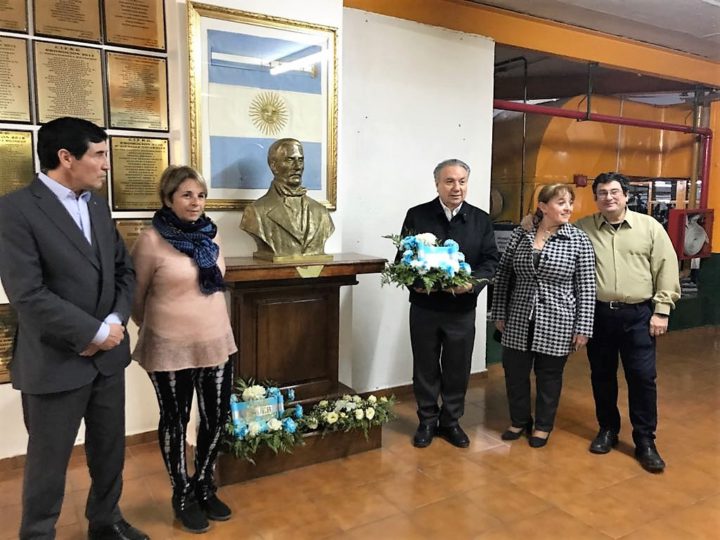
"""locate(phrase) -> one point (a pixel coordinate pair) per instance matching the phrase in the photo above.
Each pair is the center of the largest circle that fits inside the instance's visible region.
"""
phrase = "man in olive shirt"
(637, 286)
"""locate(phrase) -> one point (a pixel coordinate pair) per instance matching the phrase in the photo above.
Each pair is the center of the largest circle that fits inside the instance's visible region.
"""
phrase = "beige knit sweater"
(180, 327)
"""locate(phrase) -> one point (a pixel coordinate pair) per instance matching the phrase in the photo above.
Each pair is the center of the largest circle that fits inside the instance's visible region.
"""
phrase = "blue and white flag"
(261, 89)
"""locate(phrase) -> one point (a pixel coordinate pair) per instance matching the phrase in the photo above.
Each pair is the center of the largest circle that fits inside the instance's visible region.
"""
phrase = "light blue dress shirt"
(77, 207)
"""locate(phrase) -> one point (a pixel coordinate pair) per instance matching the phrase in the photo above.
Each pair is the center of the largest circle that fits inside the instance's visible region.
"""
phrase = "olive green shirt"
(634, 263)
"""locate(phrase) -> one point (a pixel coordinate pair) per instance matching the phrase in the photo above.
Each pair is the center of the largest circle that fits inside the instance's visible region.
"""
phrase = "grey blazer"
(61, 288)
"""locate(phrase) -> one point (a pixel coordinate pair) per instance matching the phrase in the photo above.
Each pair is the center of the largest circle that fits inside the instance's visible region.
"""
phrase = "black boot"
(188, 512)
(213, 507)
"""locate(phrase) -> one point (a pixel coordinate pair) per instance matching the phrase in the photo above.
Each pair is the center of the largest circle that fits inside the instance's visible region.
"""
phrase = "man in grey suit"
(68, 276)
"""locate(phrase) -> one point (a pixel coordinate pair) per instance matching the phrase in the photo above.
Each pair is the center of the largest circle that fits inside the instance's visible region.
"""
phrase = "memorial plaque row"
(126, 23)
(136, 164)
(69, 82)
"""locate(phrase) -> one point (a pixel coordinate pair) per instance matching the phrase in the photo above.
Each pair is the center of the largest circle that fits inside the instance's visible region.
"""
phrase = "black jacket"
(472, 229)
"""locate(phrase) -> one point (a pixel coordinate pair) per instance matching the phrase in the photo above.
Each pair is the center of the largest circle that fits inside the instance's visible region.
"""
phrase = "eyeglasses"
(607, 194)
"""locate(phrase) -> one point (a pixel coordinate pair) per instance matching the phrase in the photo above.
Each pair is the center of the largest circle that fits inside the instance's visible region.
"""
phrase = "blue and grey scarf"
(196, 241)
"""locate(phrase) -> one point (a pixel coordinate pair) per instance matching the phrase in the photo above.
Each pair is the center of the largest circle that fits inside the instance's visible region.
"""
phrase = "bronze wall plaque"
(8, 328)
(13, 15)
(16, 160)
(136, 165)
(137, 91)
(15, 89)
(68, 82)
(72, 19)
(135, 23)
(130, 229)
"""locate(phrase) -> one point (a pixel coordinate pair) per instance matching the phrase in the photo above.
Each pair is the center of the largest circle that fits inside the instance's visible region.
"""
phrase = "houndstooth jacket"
(559, 295)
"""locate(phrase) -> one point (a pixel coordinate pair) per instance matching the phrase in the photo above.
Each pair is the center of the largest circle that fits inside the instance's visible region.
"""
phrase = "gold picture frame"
(255, 79)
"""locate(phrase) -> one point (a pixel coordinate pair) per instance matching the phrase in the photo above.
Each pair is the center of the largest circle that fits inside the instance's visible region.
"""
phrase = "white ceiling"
(691, 26)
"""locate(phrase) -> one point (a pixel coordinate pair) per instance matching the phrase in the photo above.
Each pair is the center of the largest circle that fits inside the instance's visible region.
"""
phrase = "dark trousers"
(442, 345)
(52, 422)
(174, 390)
(548, 380)
(626, 332)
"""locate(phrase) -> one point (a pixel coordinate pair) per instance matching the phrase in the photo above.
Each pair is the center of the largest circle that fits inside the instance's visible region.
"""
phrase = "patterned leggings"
(174, 391)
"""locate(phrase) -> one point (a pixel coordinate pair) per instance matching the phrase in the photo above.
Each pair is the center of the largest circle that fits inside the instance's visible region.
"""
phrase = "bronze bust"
(285, 223)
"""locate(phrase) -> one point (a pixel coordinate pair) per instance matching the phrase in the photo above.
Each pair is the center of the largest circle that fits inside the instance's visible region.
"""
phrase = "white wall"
(413, 95)
(410, 96)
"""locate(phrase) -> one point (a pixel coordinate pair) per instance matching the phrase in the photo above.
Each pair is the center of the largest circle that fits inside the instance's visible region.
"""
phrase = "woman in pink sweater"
(185, 338)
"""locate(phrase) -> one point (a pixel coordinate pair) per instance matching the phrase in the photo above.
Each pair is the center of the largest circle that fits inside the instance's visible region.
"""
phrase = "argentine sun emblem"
(268, 112)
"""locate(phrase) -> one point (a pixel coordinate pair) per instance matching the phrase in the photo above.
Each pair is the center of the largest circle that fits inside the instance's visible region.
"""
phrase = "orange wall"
(559, 148)
(714, 192)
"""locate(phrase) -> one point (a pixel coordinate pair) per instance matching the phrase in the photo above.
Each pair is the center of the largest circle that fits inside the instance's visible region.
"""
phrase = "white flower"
(372, 399)
(323, 403)
(359, 414)
(253, 429)
(274, 424)
(331, 417)
(350, 406)
(357, 399)
(339, 404)
(253, 392)
(346, 397)
(429, 239)
(370, 413)
(343, 415)
(312, 422)
(383, 399)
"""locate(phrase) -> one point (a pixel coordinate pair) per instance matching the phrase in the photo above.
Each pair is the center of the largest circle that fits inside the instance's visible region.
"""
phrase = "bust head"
(286, 161)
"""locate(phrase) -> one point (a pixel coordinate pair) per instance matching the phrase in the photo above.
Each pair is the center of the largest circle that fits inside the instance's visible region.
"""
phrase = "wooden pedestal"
(285, 317)
(286, 320)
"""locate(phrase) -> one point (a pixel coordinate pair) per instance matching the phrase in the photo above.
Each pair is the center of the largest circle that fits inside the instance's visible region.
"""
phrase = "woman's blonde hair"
(173, 176)
(549, 192)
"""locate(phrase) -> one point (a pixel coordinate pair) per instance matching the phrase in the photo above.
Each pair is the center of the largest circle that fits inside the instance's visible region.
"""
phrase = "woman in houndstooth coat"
(543, 303)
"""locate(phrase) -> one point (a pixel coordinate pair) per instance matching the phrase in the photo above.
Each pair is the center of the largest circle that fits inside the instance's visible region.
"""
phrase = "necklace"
(547, 233)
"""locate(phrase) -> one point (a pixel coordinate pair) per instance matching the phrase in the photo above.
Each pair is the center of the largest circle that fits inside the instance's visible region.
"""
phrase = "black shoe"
(215, 509)
(189, 514)
(510, 435)
(424, 435)
(538, 442)
(454, 435)
(120, 530)
(649, 458)
(605, 441)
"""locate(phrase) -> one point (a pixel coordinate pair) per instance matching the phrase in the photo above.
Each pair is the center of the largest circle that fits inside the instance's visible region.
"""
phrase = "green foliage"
(284, 434)
(278, 441)
(402, 274)
(349, 413)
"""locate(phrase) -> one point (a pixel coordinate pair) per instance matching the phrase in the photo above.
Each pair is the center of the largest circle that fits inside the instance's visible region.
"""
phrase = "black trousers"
(442, 345)
(626, 332)
(52, 422)
(548, 380)
(174, 390)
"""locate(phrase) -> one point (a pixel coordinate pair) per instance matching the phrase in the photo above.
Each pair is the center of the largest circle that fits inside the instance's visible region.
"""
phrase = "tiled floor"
(493, 490)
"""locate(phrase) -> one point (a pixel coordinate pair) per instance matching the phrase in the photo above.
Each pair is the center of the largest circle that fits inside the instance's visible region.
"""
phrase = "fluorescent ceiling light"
(297, 65)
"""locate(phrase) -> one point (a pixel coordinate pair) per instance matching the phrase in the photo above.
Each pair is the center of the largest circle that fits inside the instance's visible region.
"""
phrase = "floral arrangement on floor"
(259, 418)
(427, 264)
(350, 412)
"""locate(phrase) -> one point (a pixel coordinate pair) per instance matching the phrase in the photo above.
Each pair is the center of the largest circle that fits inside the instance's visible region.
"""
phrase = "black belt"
(614, 304)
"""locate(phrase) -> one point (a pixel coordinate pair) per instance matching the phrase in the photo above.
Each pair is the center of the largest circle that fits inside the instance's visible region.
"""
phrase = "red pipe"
(706, 134)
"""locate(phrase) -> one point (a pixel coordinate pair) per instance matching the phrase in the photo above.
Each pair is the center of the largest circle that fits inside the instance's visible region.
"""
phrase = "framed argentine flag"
(255, 79)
